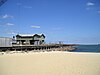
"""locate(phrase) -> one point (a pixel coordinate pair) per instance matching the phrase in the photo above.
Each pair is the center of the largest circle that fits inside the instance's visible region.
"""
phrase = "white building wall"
(5, 42)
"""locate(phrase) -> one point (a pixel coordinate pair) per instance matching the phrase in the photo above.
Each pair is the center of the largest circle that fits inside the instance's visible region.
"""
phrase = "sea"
(87, 48)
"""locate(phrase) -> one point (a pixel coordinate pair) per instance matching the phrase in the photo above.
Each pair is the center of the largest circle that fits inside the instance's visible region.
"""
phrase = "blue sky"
(70, 21)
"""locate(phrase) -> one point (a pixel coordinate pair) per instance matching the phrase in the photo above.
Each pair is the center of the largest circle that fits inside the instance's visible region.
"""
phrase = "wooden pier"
(46, 47)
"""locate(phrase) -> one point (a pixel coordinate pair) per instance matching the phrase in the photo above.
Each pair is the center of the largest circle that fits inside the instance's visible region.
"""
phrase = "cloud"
(9, 24)
(11, 32)
(35, 26)
(90, 4)
(93, 6)
(7, 16)
(24, 6)
(29, 7)
(99, 11)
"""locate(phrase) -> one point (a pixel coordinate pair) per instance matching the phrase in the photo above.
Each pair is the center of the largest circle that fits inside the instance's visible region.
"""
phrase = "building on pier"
(30, 39)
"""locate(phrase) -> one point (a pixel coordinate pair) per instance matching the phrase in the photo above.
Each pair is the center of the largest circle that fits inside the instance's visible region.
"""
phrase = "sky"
(69, 21)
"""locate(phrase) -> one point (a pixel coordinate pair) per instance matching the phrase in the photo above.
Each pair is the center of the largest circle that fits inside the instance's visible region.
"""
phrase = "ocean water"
(88, 48)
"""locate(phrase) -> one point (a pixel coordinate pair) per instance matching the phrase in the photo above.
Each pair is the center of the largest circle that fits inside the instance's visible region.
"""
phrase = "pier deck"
(36, 47)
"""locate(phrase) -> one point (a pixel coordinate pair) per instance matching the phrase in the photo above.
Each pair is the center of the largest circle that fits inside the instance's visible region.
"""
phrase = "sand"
(50, 63)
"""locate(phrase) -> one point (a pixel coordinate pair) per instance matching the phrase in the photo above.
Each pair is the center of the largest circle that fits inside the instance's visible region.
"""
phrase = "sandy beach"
(50, 63)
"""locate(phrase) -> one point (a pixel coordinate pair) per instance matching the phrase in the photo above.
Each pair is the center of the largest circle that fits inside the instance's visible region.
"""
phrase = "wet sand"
(50, 63)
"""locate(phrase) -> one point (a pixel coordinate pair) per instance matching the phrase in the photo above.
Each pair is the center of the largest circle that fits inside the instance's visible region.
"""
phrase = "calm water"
(88, 48)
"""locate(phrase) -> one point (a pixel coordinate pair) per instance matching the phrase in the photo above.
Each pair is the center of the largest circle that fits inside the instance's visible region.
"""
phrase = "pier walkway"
(46, 47)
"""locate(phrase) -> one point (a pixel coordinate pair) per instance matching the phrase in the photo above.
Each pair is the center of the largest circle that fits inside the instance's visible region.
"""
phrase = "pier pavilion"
(30, 39)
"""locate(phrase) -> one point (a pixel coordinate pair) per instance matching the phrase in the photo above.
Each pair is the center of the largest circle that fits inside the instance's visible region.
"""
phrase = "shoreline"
(32, 52)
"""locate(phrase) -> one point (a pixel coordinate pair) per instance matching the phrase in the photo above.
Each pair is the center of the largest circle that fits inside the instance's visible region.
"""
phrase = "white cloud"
(11, 32)
(35, 26)
(27, 7)
(24, 6)
(9, 24)
(7, 16)
(90, 4)
(99, 11)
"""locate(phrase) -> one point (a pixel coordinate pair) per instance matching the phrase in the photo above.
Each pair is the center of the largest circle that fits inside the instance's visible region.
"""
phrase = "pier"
(31, 42)
(46, 47)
